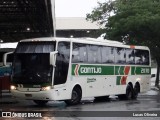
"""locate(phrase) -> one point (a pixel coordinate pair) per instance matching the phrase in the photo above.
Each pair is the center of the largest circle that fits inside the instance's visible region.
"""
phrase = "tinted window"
(32, 68)
(142, 57)
(130, 59)
(94, 54)
(62, 63)
(10, 58)
(79, 53)
(35, 47)
(1, 58)
(120, 56)
(107, 55)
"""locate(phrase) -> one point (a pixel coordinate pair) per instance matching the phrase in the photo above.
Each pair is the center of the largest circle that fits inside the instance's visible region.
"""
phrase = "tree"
(133, 22)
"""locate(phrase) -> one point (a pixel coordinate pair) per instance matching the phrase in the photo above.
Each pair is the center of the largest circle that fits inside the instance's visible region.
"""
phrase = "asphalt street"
(145, 107)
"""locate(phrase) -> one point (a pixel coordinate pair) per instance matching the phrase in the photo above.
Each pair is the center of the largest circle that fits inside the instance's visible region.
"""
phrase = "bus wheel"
(136, 91)
(129, 92)
(76, 97)
(40, 102)
(128, 95)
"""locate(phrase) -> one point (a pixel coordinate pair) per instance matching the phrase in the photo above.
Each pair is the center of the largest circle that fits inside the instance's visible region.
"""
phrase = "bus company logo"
(6, 114)
(87, 70)
(21, 114)
(76, 70)
(90, 69)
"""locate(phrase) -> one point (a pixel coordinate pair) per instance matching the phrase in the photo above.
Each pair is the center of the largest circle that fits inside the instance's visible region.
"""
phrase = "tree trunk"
(157, 75)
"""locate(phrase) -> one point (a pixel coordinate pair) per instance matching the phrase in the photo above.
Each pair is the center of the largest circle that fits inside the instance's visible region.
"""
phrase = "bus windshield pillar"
(52, 62)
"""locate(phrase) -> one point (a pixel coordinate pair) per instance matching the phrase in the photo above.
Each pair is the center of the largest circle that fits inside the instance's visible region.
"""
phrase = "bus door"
(62, 63)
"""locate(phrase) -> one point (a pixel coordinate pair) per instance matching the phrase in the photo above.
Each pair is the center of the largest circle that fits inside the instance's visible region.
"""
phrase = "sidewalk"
(153, 84)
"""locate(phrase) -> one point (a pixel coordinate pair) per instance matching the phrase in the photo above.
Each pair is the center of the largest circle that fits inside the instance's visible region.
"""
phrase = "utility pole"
(53, 17)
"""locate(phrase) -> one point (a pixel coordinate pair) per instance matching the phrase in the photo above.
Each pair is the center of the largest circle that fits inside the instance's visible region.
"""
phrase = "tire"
(75, 97)
(40, 102)
(129, 92)
(136, 91)
(128, 95)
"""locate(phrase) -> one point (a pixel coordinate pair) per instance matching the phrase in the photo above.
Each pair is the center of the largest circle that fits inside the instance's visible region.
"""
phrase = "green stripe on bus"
(119, 70)
(133, 70)
(78, 69)
(118, 81)
(92, 70)
(140, 70)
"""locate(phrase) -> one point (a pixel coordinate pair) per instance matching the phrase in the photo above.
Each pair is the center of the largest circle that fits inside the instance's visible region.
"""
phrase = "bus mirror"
(52, 57)
(5, 57)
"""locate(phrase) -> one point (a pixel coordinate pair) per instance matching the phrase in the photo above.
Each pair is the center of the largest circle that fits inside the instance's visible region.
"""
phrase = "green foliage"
(132, 21)
(137, 19)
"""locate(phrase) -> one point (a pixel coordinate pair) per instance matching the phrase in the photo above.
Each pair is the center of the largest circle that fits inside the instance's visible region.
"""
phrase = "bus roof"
(87, 41)
(8, 45)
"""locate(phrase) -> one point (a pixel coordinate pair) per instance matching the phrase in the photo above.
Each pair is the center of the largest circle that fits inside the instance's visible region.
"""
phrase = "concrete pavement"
(6, 98)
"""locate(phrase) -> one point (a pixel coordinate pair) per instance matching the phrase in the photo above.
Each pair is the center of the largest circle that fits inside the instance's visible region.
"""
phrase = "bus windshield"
(32, 64)
(32, 68)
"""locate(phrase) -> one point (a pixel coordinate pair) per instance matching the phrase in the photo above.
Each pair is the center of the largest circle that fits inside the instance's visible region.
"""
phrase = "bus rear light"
(13, 87)
(45, 88)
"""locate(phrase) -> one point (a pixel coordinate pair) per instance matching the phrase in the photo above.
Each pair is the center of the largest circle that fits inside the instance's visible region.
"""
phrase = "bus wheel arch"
(76, 95)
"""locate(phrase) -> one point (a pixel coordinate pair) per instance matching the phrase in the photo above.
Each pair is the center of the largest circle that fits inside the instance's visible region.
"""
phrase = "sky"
(74, 8)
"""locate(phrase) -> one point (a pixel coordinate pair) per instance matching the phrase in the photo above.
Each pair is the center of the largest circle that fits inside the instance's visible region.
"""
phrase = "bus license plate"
(28, 95)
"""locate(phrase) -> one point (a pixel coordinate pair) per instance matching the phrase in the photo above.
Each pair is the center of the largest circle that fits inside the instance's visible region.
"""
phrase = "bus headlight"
(13, 87)
(46, 88)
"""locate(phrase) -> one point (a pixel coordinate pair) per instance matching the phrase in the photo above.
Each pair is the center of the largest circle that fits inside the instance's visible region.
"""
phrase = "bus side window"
(79, 53)
(120, 55)
(94, 54)
(62, 63)
(75, 55)
(146, 57)
(107, 54)
(9, 59)
(130, 56)
(142, 57)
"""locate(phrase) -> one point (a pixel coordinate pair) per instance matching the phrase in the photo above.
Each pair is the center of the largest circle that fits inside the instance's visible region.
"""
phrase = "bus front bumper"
(40, 95)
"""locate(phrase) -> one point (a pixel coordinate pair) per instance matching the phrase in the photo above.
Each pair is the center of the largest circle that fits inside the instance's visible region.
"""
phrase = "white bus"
(70, 69)
(6, 57)
(5, 53)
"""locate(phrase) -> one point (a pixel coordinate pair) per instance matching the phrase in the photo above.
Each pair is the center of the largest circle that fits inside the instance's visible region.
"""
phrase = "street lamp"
(1, 41)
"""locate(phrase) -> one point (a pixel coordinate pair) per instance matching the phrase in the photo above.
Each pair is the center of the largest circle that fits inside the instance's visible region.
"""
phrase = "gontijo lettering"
(90, 69)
